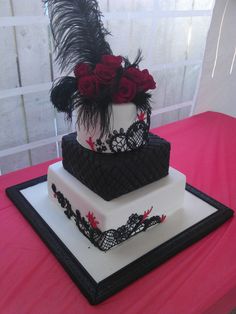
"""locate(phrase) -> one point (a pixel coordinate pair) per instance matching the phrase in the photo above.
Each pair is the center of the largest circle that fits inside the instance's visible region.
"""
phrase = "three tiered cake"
(114, 180)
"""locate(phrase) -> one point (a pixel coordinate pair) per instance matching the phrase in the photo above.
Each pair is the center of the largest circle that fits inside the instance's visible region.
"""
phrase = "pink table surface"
(201, 279)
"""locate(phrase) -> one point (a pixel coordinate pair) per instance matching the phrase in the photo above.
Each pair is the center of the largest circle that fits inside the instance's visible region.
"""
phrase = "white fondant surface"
(165, 196)
(192, 211)
(122, 116)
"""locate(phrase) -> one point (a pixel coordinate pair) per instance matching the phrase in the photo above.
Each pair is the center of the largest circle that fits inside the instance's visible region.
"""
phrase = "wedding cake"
(114, 180)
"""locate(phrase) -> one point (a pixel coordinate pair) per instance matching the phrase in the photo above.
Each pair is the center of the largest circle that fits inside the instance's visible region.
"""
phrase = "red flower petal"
(91, 143)
(92, 220)
(146, 213)
(163, 217)
(141, 116)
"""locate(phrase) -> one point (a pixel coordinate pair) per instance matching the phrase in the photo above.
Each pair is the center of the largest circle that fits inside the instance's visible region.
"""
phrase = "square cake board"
(120, 266)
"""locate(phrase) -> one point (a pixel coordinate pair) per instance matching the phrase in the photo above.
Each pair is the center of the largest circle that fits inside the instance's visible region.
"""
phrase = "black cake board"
(123, 264)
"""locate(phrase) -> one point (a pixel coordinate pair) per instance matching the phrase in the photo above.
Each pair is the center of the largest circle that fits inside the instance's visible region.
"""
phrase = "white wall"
(217, 90)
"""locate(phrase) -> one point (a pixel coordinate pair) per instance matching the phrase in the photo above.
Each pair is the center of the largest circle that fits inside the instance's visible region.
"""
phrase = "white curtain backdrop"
(217, 90)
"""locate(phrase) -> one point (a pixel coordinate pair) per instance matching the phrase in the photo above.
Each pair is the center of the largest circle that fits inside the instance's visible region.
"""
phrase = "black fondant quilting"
(112, 175)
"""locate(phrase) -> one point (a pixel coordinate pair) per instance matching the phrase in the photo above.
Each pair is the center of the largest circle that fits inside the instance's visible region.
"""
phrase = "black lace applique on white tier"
(120, 141)
(107, 239)
(135, 137)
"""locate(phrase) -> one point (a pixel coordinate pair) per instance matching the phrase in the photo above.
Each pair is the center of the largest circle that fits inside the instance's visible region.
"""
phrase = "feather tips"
(136, 61)
(78, 32)
(63, 95)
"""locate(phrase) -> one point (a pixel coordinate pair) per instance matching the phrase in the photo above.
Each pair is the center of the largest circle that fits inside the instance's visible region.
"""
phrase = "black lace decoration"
(135, 137)
(107, 239)
(100, 146)
(120, 141)
(117, 141)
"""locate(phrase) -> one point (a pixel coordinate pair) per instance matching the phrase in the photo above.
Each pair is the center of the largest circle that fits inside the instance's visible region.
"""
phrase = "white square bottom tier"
(101, 265)
(160, 198)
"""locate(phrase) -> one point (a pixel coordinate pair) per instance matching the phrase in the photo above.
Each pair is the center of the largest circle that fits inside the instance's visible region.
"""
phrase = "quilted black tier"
(112, 175)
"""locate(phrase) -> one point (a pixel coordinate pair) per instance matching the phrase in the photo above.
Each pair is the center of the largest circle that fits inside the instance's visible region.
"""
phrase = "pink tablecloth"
(201, 279)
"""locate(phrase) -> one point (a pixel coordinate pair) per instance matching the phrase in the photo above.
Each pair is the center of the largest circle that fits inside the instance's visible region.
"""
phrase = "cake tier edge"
(141, 208)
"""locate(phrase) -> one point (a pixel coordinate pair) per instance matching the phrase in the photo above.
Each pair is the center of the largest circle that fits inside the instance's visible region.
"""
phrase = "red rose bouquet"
(110, 78)
(101, 78)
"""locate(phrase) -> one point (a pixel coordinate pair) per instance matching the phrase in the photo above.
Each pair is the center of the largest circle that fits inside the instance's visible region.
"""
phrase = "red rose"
(104, 73)
(126, 91)
(134, 74)
(112, 61)
(147, 82)
(88, 86)
(82, 69)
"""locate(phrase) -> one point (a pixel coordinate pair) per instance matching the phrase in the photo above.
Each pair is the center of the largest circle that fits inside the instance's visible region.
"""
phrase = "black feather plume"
(90, 113)
(79, 37)
(78, 32)
(142, 101)
(136, 61)
(63, 95)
